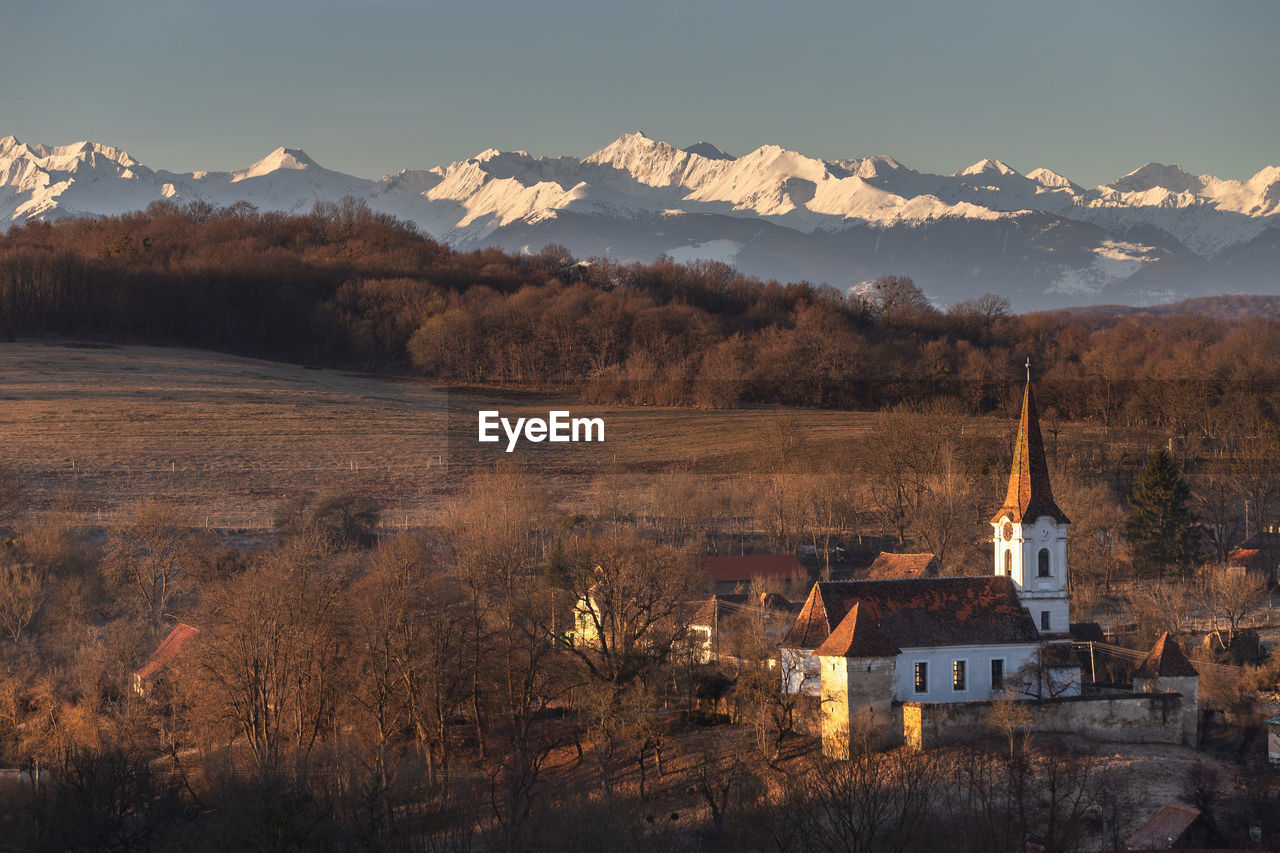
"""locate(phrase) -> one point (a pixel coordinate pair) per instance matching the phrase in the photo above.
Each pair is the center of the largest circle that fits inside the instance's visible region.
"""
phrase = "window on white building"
(922, 677)
(1044, 620)
(957, 675)
(997, 674)
(1008, 564)
(1043, 562)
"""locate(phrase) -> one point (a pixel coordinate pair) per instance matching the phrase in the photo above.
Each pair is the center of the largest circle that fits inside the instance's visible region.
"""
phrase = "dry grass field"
(229, 438)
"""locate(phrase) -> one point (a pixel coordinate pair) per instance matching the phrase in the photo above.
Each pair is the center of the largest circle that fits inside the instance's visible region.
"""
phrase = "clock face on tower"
(1007, 531)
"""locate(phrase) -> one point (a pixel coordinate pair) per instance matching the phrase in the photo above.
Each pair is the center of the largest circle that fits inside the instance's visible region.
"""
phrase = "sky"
(1089, 89)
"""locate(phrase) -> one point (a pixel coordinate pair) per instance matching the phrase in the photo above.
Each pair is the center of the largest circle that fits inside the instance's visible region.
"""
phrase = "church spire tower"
(1031, 530)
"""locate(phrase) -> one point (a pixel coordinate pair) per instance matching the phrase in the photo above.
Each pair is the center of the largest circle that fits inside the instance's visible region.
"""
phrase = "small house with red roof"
(1176, 827)
(735, 573)
(177, 643)
(1259, 554)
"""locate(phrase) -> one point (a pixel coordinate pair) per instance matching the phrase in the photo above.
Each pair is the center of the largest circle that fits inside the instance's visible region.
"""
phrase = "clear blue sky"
(1090, 89)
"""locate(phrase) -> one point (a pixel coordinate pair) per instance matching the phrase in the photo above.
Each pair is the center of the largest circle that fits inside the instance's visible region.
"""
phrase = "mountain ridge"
(1039, 238)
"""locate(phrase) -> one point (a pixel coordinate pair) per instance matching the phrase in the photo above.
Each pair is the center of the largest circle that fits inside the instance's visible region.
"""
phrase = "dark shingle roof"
(918, 612)
(1030, 495)
(903, 566)
(856, 637)
(1165, 829)
(1166, 660)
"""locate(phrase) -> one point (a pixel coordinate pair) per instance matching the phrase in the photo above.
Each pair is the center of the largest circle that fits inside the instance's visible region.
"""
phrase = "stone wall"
(1129, 718)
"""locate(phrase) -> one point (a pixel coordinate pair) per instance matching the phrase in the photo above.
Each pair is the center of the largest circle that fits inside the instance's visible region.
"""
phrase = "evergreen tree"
(1161, 527)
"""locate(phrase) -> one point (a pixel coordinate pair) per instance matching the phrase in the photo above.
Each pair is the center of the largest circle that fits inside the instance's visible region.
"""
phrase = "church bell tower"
(1031, 531)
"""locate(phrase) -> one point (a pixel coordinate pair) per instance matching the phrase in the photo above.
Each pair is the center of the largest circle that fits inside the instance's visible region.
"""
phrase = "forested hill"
(344, 286)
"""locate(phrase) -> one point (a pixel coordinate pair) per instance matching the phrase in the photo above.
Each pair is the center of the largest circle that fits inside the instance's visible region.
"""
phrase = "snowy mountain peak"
(1264, 178)
(988, 166)
(1050, 179)
(878, 166)
(628, 145)
(281, 158)
(706, 149)
(1153, 175)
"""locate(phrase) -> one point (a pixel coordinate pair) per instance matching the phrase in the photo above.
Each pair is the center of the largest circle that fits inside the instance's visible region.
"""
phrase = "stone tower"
(1030, 541)
(1167, 670)
(858, 665)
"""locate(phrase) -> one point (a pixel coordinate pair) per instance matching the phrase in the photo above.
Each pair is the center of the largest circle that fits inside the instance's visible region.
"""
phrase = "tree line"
(346, 286)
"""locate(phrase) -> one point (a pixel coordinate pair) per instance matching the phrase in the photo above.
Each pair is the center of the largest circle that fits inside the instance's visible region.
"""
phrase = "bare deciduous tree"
(630, 607)
(268, 658)
(22, 592)
(147, 559)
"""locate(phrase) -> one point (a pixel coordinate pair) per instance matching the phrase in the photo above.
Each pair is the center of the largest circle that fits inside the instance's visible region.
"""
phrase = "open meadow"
(229, 438)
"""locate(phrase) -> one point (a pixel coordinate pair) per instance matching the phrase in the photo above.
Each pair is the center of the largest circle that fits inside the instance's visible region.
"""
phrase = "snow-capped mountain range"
(1155, 234)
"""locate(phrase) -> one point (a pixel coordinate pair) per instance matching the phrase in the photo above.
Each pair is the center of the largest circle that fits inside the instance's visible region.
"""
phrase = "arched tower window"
(1008, 563)
(1042, 562)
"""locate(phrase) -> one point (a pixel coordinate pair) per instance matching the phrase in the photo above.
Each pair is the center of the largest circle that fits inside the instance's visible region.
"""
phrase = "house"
(1259, 554)
(904, 566)
(777, 572)
(723, 620)
(922, 659)
(1273, 740)
(1175, 827)
(178, 641)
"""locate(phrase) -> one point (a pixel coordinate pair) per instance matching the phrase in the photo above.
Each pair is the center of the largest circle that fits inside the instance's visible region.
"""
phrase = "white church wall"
(940, 661)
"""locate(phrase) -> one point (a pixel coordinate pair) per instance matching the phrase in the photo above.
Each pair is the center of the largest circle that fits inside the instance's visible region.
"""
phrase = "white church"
(865, 647)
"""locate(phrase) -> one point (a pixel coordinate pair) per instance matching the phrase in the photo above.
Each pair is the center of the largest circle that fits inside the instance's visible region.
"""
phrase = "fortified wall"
(1123, 718)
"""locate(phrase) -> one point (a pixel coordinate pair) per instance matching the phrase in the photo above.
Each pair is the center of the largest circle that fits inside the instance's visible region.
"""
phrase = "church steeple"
(1030, 495)
(1030, 529)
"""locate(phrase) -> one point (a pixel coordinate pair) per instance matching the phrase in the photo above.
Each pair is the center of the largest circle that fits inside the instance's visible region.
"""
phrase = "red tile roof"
(918, 612)
(746, 567)
(1166, 660)
(857, 638)
(903, 566)
(1029, 495)
(178, 639)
